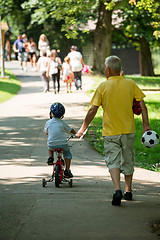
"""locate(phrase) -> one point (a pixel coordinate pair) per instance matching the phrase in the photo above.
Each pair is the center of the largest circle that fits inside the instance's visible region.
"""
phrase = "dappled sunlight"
(14, 142)
(15, 172)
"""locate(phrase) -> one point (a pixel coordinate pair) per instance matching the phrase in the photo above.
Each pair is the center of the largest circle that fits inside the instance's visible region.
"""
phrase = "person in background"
(116, 96)
(18, 47)
(52, 70)
(32, 54)
(67, 73)
(77, 63)
(25, 45)
(43, 63)
(43, 45)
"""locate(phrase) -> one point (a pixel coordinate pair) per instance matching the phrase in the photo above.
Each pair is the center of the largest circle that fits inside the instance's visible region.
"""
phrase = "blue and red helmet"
(57, 109)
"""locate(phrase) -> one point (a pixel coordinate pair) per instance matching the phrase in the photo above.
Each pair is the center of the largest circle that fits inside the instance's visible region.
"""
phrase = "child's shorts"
(119, 152)
(66, 150)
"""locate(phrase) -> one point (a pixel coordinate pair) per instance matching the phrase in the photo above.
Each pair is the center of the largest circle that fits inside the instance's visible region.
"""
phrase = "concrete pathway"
(30, 212)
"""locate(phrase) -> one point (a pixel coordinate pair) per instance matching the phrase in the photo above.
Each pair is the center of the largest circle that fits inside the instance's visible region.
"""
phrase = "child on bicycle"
(55, 128)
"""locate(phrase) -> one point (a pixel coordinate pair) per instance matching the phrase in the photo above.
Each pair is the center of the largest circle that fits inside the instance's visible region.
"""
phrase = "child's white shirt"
(66, 70)
(56, 129)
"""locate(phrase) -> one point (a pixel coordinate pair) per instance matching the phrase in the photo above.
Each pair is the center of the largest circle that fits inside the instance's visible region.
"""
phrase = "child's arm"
(46, 129)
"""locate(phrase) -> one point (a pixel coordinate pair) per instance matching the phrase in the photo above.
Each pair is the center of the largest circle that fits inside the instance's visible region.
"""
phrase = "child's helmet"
(57, 109)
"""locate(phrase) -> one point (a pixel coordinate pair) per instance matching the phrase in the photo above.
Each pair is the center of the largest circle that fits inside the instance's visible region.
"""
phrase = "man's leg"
(128, 163)
(128, 181)
(117, 196)
(128, 189)
(115, 175)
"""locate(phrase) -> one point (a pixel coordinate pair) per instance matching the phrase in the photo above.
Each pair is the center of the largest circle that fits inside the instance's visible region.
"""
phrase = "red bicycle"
(58, 170)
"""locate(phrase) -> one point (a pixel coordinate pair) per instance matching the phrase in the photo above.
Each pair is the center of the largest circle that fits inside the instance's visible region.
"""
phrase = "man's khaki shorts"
(119, 152)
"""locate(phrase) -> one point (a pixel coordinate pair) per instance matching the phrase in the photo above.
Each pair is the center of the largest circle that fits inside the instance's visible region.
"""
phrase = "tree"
(73, 14)
(102, 37)
(140, 22)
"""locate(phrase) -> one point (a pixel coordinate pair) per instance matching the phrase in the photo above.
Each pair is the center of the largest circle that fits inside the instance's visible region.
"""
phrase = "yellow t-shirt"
(116, 95)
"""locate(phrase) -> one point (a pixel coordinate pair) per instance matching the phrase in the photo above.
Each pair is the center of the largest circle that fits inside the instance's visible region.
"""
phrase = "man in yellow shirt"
(116, 95)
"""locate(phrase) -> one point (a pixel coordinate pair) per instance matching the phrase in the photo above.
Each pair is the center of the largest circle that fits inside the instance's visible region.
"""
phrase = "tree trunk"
(145, 58)
(102, 38)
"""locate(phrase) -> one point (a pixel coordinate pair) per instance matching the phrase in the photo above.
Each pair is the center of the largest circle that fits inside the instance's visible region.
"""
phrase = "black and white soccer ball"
(150, 139)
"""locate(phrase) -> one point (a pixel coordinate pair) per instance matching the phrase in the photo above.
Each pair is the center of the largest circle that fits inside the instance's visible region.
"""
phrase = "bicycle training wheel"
(44, 182)
(57, 176)
(70, 182)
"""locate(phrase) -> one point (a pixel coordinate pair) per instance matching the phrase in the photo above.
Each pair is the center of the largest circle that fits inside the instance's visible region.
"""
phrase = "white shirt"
(43, 63)
(53, 67)
(56, 129)
(43, 46)
(66, 70)
(75, 61)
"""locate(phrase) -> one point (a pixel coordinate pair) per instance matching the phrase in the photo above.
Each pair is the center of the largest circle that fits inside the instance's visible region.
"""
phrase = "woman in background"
(43, 45)
(32, 54)
(54, 64)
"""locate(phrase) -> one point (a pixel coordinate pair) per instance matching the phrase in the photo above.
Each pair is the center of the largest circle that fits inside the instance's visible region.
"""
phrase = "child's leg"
(67, 86)
(50, 153)
(68, 163)
(72, 76)
(67, 172)
(50, 159)
(70, 85)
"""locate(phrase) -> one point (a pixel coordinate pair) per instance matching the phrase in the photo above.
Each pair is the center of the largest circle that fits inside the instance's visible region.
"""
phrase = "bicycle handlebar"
(82, 136)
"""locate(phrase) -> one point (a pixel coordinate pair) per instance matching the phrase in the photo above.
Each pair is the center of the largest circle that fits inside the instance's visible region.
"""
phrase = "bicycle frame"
(59, 162)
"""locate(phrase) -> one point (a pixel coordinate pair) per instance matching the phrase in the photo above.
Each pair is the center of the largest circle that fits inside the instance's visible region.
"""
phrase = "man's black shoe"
(117, 196)
(127, 196)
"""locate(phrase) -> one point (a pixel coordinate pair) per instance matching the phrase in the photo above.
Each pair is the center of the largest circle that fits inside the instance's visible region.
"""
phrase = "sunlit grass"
(9, 86)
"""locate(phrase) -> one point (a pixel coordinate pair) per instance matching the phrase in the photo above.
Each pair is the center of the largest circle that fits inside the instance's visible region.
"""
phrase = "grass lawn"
(148, 158)
(8, 87)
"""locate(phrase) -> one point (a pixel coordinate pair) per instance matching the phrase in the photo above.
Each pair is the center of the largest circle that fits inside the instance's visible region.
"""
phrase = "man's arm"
(82, 62)
(15, 48)
(88, 119)
(145, 119)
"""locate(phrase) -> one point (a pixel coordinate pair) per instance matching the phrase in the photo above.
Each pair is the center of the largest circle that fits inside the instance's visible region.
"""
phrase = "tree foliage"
(71, 13)
(140, 24)
(64, 19)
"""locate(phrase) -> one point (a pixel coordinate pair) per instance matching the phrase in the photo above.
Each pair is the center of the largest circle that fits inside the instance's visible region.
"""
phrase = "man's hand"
(81, 133)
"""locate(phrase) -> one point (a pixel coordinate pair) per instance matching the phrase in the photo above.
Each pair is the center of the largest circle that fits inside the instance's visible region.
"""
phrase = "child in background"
(55, 129)
(67, 73)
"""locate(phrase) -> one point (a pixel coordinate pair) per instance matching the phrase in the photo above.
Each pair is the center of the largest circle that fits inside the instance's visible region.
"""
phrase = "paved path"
(30, 212)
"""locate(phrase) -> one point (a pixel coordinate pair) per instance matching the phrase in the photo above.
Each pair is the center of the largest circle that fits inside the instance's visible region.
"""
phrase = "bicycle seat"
(58, 150)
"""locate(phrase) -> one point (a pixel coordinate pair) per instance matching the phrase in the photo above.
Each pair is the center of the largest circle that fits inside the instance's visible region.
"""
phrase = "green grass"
(8, 87)
(146, 82)
(147, 158)
(142, 82)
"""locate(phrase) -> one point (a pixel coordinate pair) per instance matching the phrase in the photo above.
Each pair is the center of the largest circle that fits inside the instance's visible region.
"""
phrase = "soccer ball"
(150, 139)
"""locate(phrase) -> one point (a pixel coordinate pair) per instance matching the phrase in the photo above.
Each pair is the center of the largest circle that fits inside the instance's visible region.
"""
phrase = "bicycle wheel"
(57, 176)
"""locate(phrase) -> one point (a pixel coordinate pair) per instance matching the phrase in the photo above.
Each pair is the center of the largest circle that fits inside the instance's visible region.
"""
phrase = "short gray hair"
(114, 63)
